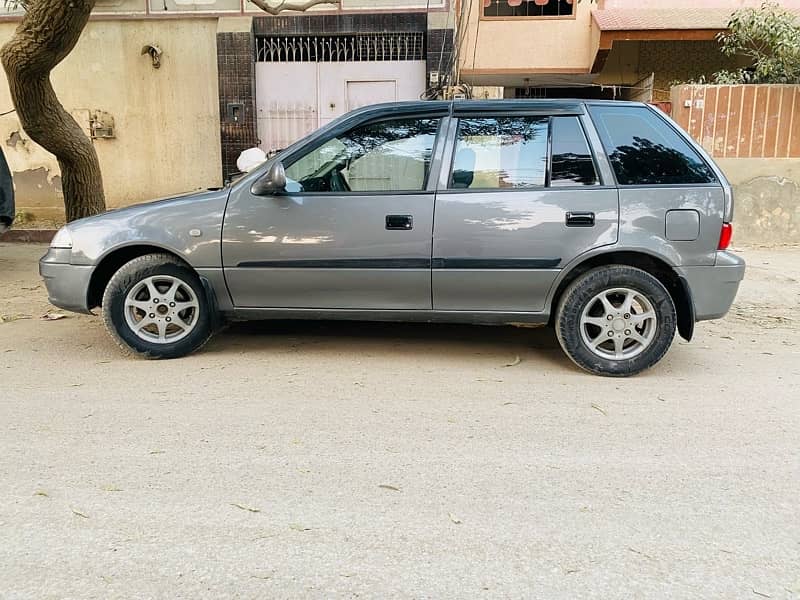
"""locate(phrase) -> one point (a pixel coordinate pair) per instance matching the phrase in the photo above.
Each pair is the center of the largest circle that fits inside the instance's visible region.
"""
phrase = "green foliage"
(770, 37)
(16, 4)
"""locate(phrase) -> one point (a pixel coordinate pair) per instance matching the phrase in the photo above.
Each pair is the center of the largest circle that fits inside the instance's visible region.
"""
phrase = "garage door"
(304, 82)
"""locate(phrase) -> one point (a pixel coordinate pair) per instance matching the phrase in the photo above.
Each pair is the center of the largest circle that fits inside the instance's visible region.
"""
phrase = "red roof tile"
(637, 19)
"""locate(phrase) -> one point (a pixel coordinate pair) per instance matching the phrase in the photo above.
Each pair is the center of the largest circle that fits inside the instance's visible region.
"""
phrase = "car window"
(644, 150)
(572, 162)
(500, 152)
(387, 156)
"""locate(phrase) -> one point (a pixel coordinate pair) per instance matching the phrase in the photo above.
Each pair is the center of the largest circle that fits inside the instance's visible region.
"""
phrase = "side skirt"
(415, 316)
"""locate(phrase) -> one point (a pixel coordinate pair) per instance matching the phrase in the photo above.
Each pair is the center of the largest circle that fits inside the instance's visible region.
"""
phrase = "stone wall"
(767, 200)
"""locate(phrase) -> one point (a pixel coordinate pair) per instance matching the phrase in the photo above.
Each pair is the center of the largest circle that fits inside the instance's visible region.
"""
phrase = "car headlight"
(62, 239)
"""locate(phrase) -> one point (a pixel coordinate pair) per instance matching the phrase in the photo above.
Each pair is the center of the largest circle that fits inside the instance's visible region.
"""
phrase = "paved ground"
(344, 460)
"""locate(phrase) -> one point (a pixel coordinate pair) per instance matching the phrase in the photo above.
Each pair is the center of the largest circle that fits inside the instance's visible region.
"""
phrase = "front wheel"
(616, 321)
(155, 307)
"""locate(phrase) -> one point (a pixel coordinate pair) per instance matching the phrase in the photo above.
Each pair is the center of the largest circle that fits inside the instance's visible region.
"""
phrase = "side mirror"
(273, 182)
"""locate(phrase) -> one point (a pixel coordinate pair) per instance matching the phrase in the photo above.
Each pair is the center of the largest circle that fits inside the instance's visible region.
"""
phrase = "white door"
(295, 98)
(287, 102)
(364, 93)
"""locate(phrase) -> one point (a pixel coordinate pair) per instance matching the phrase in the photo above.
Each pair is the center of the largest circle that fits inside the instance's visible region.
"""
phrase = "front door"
(523, 199)
(352, 231)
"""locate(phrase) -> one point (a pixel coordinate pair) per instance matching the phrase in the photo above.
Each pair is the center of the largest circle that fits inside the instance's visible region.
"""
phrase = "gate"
(306, 81)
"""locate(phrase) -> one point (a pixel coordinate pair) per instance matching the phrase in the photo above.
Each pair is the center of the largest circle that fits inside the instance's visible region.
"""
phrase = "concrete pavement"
(340, 460)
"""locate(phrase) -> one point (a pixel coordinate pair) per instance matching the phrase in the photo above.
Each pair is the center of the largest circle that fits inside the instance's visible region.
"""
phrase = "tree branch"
(300, 6)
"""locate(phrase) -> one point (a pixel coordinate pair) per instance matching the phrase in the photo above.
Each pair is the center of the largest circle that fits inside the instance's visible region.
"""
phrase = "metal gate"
(303, 82)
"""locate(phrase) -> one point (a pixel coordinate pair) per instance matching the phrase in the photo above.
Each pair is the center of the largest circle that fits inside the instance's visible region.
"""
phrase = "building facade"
(627, 49)
(171, 91)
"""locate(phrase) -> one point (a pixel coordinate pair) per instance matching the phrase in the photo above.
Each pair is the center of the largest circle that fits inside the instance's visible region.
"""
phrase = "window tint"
(388, 156)
(572, 162)
(644, 150)
(500, 153)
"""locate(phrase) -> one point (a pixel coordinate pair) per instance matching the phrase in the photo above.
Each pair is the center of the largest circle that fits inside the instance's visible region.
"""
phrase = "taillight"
(725, 236)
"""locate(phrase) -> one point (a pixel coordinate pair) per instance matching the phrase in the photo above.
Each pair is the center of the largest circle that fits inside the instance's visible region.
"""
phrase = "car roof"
(512, 106)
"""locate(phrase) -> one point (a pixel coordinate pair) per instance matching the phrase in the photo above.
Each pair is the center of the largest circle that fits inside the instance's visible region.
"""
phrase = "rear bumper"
(67, 285)
(714, 288)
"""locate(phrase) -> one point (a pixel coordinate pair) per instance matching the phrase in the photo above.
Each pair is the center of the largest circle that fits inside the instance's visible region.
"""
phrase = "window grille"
(341, 48)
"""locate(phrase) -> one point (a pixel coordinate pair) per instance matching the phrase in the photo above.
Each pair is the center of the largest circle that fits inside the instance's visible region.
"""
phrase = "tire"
(602, 334)
(155, 307)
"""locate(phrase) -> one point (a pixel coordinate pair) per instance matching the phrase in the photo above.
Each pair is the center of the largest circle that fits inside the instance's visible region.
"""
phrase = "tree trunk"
(48, 32)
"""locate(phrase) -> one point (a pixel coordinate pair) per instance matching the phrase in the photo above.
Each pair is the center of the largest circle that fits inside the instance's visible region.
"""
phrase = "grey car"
(602, 219)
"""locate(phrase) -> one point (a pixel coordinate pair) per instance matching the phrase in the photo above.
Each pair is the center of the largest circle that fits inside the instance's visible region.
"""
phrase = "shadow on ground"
(399, 338)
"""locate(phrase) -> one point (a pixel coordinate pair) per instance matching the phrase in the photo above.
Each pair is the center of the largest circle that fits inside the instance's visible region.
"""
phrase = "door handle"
(399, 222)
(580, 219)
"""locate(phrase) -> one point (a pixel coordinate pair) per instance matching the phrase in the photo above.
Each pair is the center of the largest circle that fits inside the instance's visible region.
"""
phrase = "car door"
(523, 198)
(353, 228)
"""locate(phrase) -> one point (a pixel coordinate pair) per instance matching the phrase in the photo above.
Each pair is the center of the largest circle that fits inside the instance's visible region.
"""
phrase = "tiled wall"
(236, 87)
(439, 51)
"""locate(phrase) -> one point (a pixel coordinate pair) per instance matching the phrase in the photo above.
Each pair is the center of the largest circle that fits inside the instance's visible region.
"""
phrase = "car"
(6, 195)
(602, 219)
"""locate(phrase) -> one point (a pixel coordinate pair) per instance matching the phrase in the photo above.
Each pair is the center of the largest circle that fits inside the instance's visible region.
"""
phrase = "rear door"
(522, 198)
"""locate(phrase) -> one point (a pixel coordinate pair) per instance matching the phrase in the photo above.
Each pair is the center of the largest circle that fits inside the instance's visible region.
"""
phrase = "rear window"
(572, 162)
(500, 152)
(512, 152)
(644, 150)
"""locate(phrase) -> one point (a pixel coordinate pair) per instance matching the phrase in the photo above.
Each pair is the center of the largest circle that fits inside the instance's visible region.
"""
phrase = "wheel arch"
(113, 260)
(676, 285)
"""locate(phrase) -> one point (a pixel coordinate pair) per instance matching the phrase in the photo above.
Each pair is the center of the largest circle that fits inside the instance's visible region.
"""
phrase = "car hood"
(189, 225)
(165, 204)
(6, 195)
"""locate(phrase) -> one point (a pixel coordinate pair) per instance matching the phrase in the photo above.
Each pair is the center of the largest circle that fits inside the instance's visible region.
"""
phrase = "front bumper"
(714, 288)
(67, 285)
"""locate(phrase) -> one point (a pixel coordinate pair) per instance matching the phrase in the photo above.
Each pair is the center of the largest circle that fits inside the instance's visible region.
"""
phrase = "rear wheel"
(616, 321)
(155, 307)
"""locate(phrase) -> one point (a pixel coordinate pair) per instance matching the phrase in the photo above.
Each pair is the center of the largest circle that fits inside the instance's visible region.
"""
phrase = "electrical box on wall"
(235, 112)
(488, 92)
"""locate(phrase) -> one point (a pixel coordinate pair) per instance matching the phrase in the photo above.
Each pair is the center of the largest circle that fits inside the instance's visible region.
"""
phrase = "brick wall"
(236, 97)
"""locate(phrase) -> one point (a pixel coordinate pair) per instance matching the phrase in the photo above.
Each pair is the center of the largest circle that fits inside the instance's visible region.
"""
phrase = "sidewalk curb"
(27, 236)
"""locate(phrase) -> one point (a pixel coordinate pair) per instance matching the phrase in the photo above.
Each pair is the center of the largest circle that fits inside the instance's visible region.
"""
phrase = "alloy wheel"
(618, 324)
(161, 309)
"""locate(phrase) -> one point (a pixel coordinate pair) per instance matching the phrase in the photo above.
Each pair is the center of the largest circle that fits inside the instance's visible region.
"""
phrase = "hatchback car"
(602, 219)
